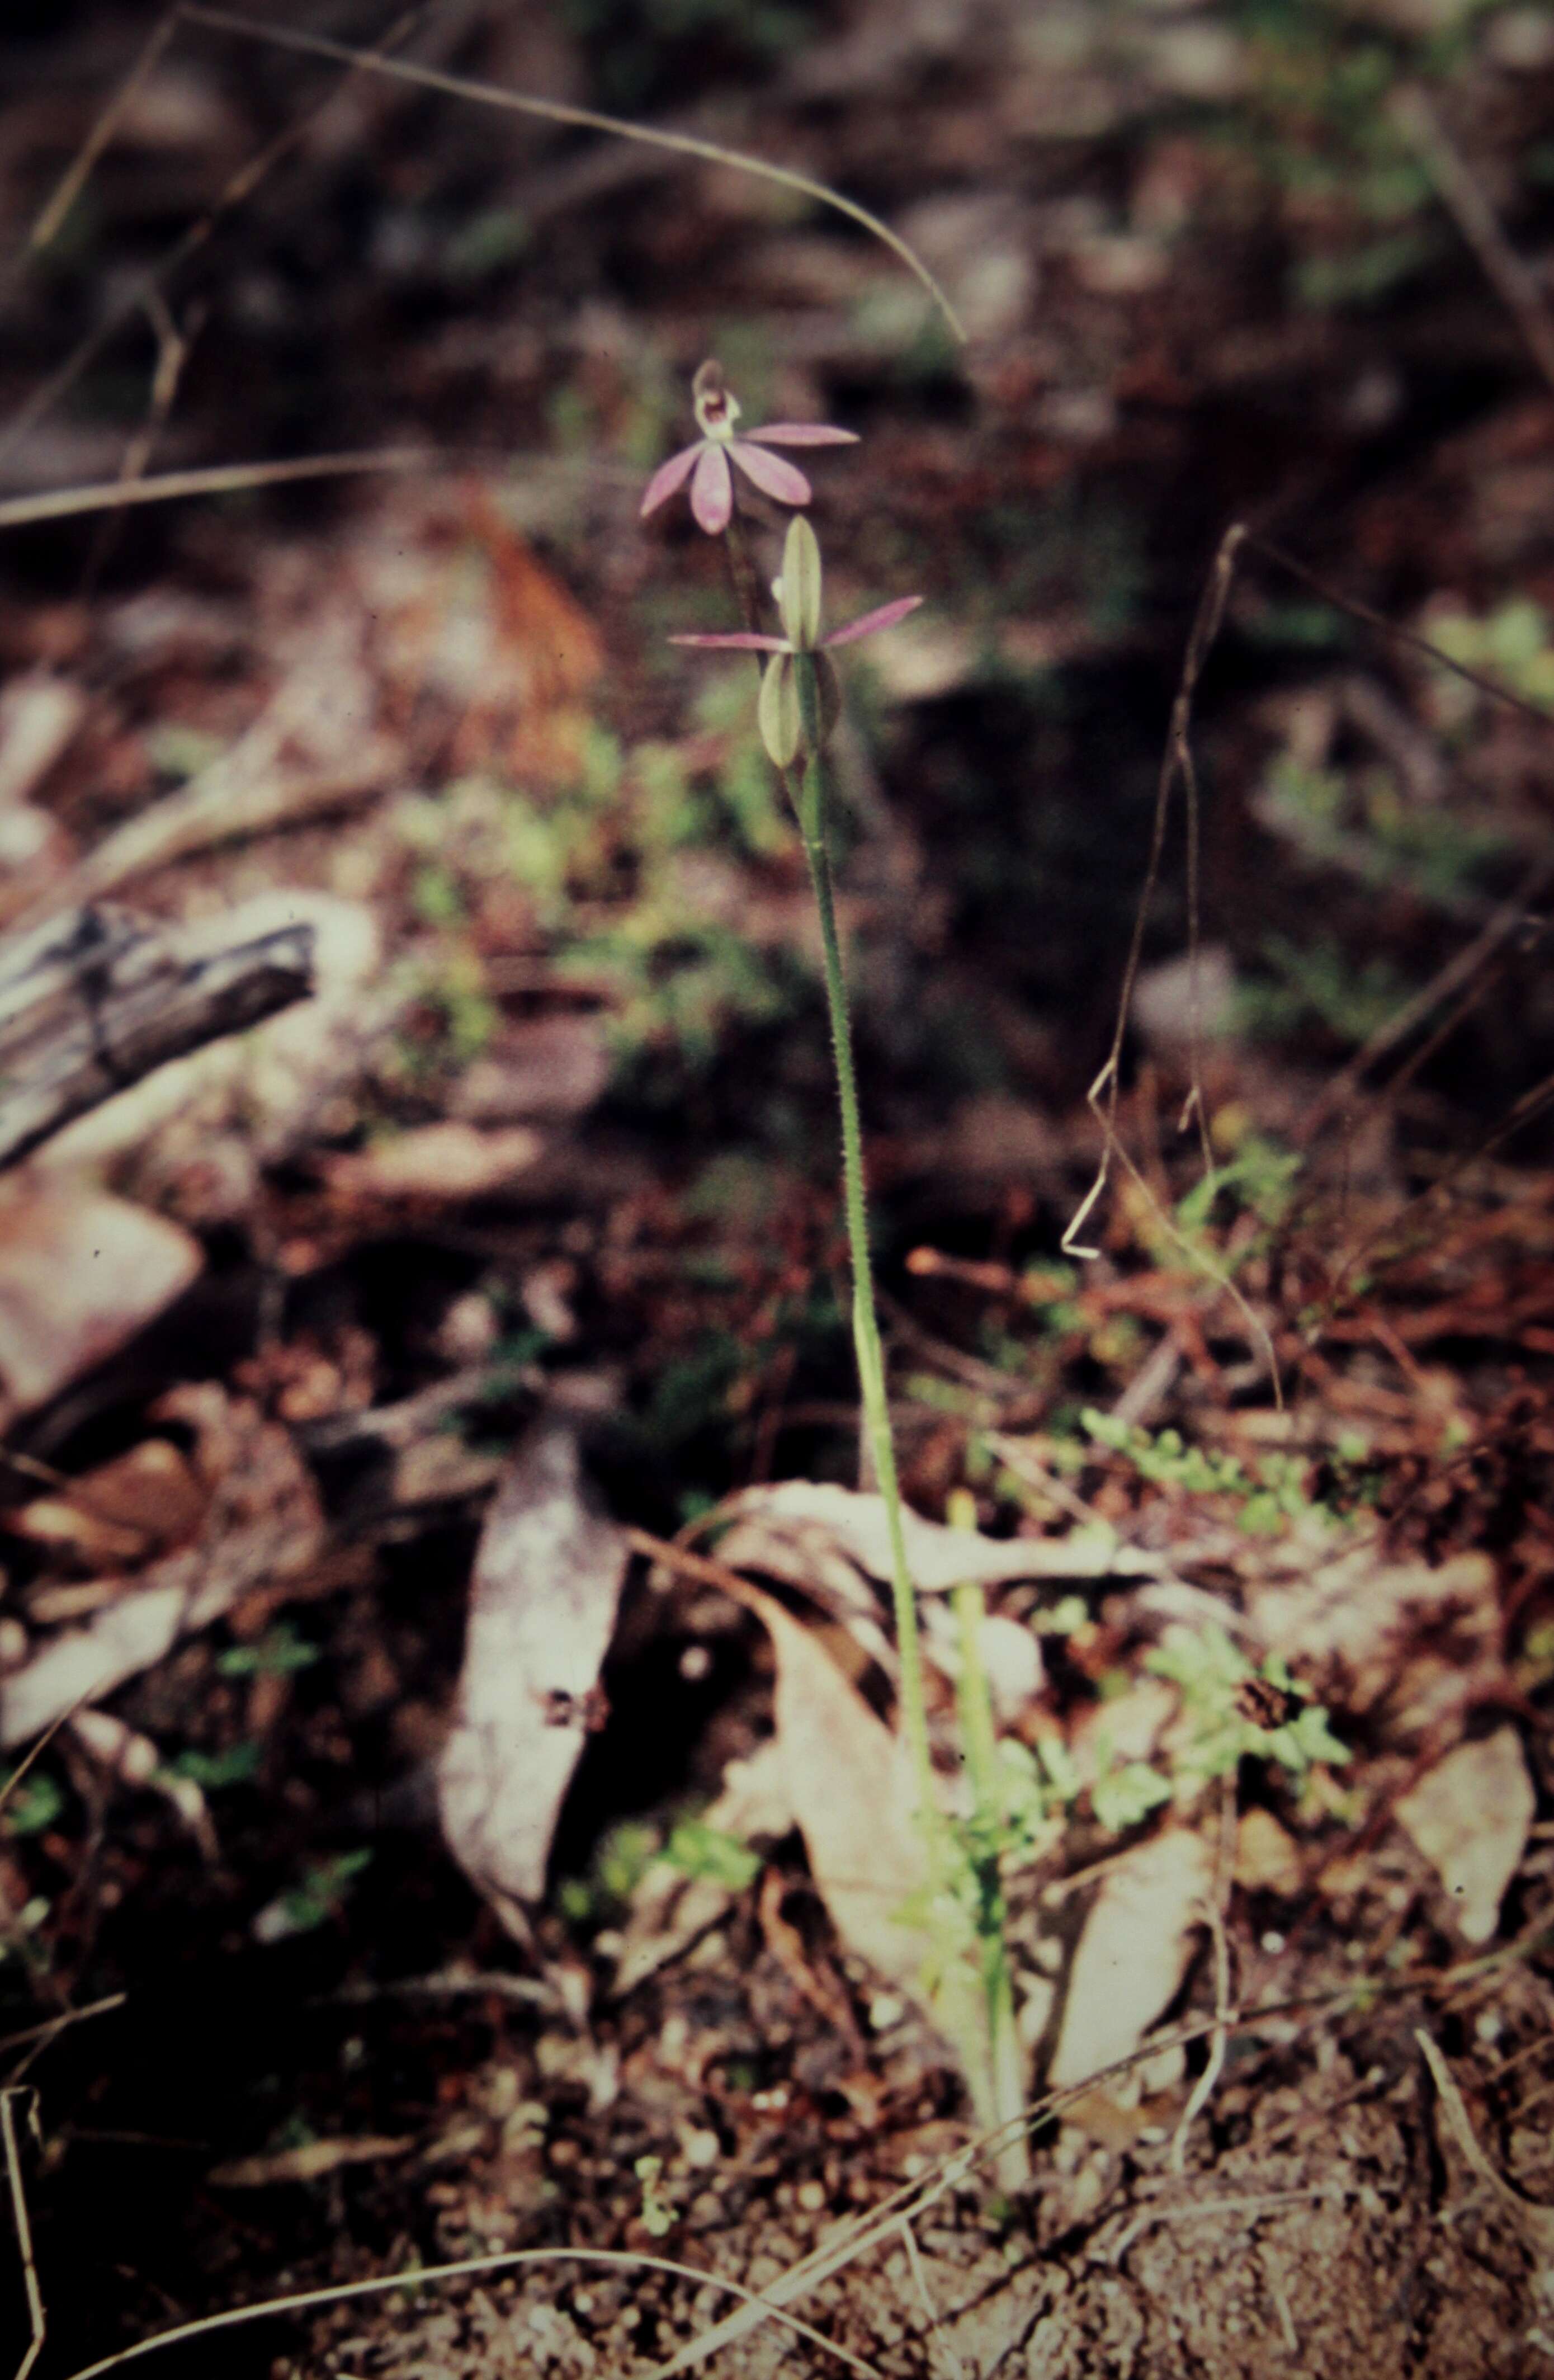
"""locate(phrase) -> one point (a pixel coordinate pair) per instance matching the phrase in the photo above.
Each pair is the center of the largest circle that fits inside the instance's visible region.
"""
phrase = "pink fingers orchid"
(705, 465)
(799, 604)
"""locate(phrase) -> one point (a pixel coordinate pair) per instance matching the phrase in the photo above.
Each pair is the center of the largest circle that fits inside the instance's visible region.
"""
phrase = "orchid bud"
(799, 600)
(777, 711)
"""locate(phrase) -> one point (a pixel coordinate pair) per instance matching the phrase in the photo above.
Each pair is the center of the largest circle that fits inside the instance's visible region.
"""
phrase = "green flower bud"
(777, 711)
(799, 600)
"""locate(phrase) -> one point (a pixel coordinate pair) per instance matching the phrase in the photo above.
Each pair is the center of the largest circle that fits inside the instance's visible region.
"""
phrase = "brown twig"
(1480, 225)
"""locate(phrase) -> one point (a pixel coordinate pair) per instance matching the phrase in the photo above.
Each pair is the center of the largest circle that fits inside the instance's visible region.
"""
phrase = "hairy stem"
(813, 819)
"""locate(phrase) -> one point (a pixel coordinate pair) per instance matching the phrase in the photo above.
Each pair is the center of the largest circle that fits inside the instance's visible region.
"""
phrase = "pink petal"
(771, 474)
(667, 478)
(735, 641)
(885, 617)
(713, 491)
(801, 433)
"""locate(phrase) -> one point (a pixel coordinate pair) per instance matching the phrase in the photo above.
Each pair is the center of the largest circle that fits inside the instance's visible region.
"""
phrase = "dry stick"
(242, 184)
(1536, 2222)
(302, 2301)
(1177, 759)
(1455, 978)
(73, 179)
(920, 2282)
(587, 119)
(1392, 629)
(217, 479)
(36, 2314)
(1176, 762)
(1480, 225)
(1103, 1091)
(41, 2035)
(172, 353)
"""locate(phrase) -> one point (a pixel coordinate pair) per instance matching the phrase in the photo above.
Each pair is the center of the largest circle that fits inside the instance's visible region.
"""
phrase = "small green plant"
(278, 1654)
(213, 1771)
(657, 2216)
(621, 1859)
(698, 1850)
(1238, 1712)
(19, 1932)
(321, 1893)
(32, 1804)
(1273, 1493)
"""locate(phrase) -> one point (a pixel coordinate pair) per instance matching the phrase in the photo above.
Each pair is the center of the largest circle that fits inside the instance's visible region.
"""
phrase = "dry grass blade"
(1457, 983)
(73, 181)
(1538, 2222)
(1392, 630)
(142, 288)
(40, 2035)
(36, 2314)
(586, 119)
(304, 2300)
(217, 479)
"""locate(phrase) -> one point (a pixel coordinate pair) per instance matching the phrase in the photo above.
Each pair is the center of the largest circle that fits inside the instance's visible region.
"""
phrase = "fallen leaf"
(1133, 1954)
(547, 1583)
(784, 1529)
(81, 1273)
(1362, 1632)
(38, 715)
(1469, 1815)
(443, 1161)
(547, 1066)
(145, 1501)
(849, 1784)
(262, 1524)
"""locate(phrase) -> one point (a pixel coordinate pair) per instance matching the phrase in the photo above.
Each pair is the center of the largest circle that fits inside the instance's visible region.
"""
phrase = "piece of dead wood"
(95, 999)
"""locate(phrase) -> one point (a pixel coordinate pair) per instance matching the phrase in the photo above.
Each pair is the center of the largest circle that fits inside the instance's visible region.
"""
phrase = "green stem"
(813, 817)
(985, 1835)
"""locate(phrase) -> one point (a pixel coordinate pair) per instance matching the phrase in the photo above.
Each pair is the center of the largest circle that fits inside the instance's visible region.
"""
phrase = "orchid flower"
(706, 464)
(799, 605)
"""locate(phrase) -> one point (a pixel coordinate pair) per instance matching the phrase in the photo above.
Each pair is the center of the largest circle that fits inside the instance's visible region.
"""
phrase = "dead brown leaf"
(81, 1273)
(548, 1578)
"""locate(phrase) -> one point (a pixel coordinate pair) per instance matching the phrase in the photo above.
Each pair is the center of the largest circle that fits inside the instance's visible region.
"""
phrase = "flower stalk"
(796, 710)
(814, 812)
